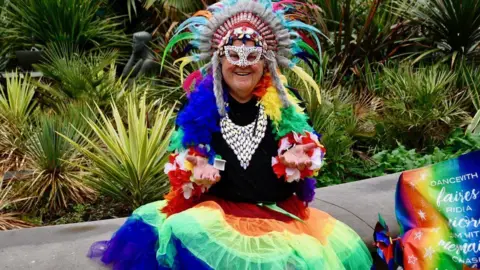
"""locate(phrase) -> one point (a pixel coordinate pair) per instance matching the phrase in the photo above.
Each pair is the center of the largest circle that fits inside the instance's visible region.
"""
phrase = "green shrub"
(402, 159)
(127, 161)
(450, 29)
(55, 181)
(421, 105)
(74, 22)
(9, 220)
(80, 76)
(17, 104)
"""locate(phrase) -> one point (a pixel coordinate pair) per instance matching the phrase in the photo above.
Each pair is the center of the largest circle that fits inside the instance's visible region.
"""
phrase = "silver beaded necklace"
(244, 140)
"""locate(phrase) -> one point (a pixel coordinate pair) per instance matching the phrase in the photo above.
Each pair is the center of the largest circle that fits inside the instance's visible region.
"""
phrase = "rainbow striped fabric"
(438, 210)
(218, 234)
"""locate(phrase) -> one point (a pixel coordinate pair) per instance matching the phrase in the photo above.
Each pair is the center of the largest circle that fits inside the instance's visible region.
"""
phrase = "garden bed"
(396, 94)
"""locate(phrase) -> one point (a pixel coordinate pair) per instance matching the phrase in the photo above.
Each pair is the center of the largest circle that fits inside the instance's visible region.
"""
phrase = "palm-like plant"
(343, 119)
(127, 162)
(9, 220)
(471, 80)
(16, 107)
(4, 57)
(169, 87)
(471, 77)
(360, 31)
(69, 21)
(17, 103)
(5, 47)
(422, 105)
(84, 76)
(186, 6)
(451, 27)
(55, 181)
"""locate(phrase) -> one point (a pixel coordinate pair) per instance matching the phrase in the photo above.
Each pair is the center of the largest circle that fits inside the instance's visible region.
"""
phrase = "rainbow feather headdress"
(285, 40)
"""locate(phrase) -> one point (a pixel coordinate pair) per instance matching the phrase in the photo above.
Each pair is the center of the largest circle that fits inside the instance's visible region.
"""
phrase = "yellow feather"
(308, 80)
(273, 105)
(185, 61)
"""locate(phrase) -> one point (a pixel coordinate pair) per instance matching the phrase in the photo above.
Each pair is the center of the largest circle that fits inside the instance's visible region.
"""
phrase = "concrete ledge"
(64, 246)
(358, 204)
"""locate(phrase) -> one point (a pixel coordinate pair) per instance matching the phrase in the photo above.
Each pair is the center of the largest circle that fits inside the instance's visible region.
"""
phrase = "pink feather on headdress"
(193, 77)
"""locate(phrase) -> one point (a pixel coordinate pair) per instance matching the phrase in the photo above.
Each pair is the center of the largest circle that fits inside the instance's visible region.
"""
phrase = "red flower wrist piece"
(179, 172)
(316, 155)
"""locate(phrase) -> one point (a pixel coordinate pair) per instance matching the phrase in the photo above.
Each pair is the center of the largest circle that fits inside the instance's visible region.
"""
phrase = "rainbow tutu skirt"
(217, 234)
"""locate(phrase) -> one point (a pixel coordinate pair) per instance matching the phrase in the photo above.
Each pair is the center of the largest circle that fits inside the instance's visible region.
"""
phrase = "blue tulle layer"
(134, 247)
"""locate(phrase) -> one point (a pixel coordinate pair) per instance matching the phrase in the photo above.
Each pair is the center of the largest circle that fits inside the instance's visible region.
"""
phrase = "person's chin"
(243, 84)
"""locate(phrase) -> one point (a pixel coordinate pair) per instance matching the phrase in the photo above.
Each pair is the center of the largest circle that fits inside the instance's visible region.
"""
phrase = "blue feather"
(188, 48)
(305, 57)
(197, 30)
(191, 22)
(312, 30)
(195, 43)
(200, 119)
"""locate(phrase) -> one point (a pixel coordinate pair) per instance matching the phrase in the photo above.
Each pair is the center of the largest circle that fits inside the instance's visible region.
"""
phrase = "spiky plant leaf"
(422, 105)
(9, 220)
(81, 76)
(74, 22)
(16, 103)
(128, 160)
(55, 182)
(186, 6)
(16, 107)
(450, 28)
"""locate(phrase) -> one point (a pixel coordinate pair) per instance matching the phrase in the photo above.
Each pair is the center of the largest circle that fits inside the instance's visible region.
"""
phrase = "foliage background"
(399, 79)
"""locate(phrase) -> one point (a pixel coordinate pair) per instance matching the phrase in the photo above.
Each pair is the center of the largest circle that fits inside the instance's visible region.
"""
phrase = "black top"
(258, 183)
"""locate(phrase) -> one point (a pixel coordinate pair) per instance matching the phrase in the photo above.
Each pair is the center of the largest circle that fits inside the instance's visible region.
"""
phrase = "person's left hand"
(204, 174)
(297, 157)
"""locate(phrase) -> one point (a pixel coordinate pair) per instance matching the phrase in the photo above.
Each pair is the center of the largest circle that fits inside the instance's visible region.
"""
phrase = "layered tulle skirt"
(218, 234)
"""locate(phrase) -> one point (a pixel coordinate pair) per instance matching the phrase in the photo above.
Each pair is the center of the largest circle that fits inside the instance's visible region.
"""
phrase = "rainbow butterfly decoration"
(438, 211)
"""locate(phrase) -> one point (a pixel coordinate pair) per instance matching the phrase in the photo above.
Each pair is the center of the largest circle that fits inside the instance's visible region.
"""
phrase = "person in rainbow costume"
(243, 157)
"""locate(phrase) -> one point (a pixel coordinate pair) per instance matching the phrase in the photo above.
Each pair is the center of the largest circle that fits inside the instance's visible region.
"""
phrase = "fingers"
(296, 161)
(308, 164)
(206, 176)
(308, 146)
(287, 161)
(301, 166)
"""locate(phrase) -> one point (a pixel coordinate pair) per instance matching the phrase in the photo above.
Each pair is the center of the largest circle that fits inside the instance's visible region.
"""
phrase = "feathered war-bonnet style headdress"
(284, 39)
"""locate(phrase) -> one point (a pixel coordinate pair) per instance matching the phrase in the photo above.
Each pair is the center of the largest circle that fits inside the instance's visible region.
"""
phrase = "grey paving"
(358, 204)
(64, 246)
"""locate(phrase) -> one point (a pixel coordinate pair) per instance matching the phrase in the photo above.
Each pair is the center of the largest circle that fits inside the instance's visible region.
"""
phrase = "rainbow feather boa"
(199, 119)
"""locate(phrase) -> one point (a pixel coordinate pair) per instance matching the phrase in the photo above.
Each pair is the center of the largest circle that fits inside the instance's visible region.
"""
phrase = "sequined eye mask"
(242, 55)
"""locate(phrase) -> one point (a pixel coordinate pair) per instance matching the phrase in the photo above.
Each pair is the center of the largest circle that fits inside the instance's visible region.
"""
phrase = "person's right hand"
(204, 174)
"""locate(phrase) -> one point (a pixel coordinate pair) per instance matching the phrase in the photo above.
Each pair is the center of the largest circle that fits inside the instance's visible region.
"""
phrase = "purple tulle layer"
(133, 246)
(306, 190)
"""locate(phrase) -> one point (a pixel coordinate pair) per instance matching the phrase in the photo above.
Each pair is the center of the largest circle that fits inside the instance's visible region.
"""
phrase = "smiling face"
(240, 78)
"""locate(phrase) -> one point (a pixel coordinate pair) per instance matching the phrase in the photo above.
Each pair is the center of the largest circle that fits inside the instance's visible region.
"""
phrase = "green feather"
(305, 47)
(176, 140)
(175, 39)
(292, 121)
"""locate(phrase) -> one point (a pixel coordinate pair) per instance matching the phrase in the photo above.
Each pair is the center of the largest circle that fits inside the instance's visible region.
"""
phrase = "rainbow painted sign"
(438, 210)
